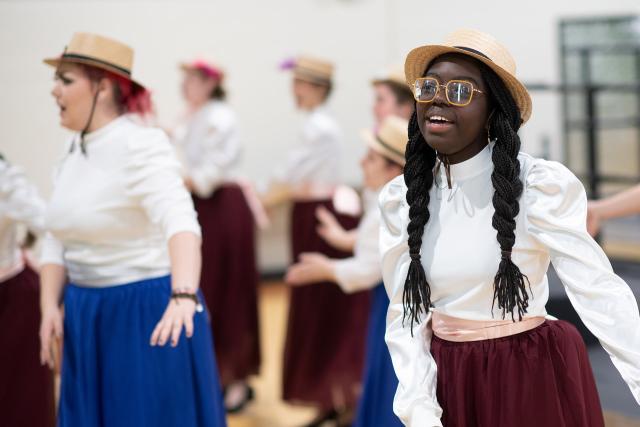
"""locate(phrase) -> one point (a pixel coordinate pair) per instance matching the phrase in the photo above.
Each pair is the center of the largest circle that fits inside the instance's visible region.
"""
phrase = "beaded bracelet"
(178, 294)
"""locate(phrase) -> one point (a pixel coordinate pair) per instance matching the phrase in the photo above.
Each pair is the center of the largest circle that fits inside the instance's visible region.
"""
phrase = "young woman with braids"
(467, 236)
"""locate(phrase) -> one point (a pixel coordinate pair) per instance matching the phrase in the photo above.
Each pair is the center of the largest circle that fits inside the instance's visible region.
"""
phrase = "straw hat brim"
(419, 58)
(55, 62)
(369, 137)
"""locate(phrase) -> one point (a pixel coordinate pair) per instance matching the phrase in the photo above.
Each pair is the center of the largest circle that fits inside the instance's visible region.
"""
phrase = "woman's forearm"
(622, 204)
(186, 260)
(52, 280)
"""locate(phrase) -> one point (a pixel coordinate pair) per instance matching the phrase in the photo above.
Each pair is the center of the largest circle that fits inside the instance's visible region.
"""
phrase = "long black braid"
(418, 176)
(509, 282)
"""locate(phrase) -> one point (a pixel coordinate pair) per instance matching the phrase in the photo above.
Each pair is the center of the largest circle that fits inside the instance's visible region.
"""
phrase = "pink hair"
(130, 97)
(207, 69)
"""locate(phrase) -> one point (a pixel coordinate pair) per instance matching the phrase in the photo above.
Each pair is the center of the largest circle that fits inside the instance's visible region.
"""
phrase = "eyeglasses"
(458, 92)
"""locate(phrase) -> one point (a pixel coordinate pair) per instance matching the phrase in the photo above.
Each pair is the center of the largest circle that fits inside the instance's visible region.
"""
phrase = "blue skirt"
(380, 381)
(112, 377)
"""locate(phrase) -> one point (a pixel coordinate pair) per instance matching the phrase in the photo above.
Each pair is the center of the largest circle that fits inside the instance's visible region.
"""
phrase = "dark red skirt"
(229, 281)
(541, 377)
(26, 387)
(326, 332)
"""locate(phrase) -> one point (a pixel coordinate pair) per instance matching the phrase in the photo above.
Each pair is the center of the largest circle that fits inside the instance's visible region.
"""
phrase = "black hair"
(509, 283)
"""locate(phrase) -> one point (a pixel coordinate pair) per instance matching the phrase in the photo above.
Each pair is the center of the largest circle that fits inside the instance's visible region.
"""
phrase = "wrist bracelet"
(188, 295)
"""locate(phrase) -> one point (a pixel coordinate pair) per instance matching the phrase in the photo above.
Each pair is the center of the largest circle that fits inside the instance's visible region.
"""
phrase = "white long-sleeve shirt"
(210, 143)
(20, 204)
(316, 159)
(112, 210)
(362, 270)
(460, 255)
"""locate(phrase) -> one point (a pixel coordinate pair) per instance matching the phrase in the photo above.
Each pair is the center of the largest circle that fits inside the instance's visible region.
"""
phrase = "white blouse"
(460, 255)
(113, 210)
(362, 270)
(210, 144)
(316, 160)
(20, 204)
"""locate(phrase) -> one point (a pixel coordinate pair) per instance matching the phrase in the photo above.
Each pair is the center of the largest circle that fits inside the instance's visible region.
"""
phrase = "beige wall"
(249, 38)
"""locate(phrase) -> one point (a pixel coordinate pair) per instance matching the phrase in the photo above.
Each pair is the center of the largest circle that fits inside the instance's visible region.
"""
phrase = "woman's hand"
(188, 183)
(332, 232)
(179, 314)
(312, 268)
(51, 330)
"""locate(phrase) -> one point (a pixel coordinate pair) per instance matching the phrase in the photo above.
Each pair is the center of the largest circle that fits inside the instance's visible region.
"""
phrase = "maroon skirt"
(229, 281)
(541, 377)
(26, 387)
(326, 332)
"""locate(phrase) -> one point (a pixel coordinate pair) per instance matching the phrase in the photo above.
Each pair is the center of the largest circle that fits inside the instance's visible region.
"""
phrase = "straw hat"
(390, 139)
(205, 65)
(480, 46)
(313, 70)
(393, 74)
(100, 52)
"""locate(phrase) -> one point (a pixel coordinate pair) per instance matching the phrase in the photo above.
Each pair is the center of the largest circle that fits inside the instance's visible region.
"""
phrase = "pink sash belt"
(455, 329)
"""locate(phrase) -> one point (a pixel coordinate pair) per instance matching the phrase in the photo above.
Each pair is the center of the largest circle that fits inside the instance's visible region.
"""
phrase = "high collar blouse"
(460, 256)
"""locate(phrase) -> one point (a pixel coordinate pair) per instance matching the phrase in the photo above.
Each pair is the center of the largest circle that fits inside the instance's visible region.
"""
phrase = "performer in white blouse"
(324, 349)
(123, 247)
(26, 387)
(467, 236)
(209, 140)
(383, 161)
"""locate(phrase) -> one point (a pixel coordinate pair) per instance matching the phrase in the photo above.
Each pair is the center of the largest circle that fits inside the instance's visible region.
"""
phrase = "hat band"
(388, 147)
(477, 52)
(311, 73)
(100, 61)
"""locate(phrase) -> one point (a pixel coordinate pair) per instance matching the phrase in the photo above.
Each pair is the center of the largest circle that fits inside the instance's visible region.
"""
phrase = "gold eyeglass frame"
(446, 92)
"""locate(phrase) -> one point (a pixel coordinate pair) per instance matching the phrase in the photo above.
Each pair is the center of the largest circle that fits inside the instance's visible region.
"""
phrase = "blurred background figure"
(26, 387)
(383, 161)
(392, 96)
(326, 328)
(122, 252)
(210, 143)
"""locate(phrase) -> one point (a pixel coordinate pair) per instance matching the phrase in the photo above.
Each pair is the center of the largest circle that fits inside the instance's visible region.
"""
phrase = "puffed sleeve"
(415, 401)
(362, 270)
(220, 151)
(19, 199)
(556, 211)
(152, 176)
(52, 250)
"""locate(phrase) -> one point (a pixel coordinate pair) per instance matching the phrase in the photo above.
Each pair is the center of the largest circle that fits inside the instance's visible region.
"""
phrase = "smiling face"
(458, 132)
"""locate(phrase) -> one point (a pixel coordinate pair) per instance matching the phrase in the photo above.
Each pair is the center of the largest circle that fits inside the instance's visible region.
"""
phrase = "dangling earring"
(488, 126)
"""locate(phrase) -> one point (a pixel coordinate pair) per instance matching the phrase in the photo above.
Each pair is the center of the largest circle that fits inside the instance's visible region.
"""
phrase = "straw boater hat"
(480, 46)
(309, 69)
(390, 139)
(394, 74)
(100, 52)
(204, 65)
